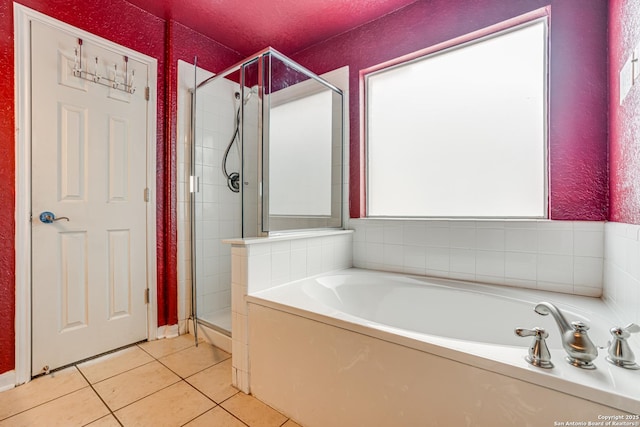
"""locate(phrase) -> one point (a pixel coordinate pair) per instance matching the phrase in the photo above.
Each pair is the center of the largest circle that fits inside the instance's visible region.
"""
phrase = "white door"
(89, 165)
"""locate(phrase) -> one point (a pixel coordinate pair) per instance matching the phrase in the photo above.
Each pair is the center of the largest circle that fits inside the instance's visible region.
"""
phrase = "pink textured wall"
(578, 84)
(624, 121)
(143, 32)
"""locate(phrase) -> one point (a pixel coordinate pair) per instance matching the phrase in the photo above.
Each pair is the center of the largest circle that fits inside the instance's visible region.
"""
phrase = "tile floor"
(168, 382)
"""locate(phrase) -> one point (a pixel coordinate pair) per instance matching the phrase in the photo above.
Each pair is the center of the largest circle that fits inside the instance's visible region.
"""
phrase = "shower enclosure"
(266, 157)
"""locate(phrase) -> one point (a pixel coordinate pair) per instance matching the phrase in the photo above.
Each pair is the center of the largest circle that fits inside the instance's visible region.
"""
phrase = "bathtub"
(364, 348)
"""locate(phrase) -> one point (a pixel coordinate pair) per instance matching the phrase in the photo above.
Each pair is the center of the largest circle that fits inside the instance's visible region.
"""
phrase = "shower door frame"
(263, 140)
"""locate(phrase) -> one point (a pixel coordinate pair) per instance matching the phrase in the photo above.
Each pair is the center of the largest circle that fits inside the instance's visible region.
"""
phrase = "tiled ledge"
(285, 237)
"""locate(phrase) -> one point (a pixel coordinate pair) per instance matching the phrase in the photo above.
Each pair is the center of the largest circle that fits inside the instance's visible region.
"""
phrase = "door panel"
(88, 164)
(74, 281)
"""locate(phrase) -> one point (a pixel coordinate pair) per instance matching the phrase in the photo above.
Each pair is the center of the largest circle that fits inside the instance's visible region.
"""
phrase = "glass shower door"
(216, 202)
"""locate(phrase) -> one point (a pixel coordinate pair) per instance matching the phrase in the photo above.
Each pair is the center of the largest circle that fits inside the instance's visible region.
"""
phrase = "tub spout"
(580, 350)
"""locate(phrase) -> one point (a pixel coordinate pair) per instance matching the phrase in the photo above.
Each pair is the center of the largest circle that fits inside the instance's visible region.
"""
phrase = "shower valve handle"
(539, 354)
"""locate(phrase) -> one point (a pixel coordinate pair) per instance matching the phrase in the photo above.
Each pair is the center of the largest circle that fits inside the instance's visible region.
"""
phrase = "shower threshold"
(219, 320)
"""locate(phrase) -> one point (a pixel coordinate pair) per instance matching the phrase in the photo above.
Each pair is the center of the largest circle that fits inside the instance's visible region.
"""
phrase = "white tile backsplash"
(463, 237)
(490, 263)
(438, 259)
(584, 258)
(588, 272)
(555, 268)
(521, 265)
(621, 272)
(490, 239)
(564, 256)
(462, 261)
(521, 240)
(555, 241)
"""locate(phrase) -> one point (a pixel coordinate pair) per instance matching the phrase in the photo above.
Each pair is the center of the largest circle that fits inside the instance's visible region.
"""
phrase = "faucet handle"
(620, 353)
(539, 354)
(580, 326)
(625, 332)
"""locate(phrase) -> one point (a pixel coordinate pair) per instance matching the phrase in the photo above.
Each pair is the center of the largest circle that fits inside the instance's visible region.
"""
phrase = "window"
(461, 132)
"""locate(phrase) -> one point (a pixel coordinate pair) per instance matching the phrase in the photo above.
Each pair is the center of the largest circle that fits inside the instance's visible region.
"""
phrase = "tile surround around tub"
(258, 264)
(622, 272)
(559, 256)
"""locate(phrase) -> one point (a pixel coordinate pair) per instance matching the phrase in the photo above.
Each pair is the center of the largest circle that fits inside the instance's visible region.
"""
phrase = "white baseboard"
(7, 380)
(183, 326)
(168, 331)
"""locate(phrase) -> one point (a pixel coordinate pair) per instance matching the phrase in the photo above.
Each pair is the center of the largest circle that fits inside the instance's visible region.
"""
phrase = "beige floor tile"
(253, 412)
(290, 423)
(40, 390)
(135, 384)
(113, 364)
(215, 382)
(108, 421)
(164, 347)
(172, 406)
(194, 359)
(217, 417)
(76, 409)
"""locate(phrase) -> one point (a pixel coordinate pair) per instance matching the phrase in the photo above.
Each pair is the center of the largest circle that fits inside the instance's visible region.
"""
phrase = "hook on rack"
(126, 85)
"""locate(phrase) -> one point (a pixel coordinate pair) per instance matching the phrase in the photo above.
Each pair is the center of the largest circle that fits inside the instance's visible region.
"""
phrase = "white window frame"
(497, 30)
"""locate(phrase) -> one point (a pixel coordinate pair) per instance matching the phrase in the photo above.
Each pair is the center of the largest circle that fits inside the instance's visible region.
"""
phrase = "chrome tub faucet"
(580, 349)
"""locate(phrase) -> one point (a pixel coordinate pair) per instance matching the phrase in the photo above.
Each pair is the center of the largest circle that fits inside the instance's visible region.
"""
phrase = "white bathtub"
(358, 347)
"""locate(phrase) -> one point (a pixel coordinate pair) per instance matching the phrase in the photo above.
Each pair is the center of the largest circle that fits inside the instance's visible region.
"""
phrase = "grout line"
(45, 402)
(231, 413)
(164, 355)
(155, 359)
(52, 399)
(101, 399)
(119, 373)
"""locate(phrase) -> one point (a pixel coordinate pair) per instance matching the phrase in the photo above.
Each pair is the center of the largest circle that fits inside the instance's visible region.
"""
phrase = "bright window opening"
(461, 132)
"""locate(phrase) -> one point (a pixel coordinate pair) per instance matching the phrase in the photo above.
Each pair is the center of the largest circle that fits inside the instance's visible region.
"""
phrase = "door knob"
(49, 217)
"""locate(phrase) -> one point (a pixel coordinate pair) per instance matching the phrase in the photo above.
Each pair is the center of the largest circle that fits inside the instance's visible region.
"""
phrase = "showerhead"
(253, 90)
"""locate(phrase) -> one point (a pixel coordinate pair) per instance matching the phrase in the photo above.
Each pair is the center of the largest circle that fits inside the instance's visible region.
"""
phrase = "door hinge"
(146, 296)
(146, 93)
(147, 195)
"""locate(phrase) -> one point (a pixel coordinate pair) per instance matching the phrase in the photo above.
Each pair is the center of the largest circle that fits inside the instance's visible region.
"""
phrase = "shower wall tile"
(555, 255)
(216, 208)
